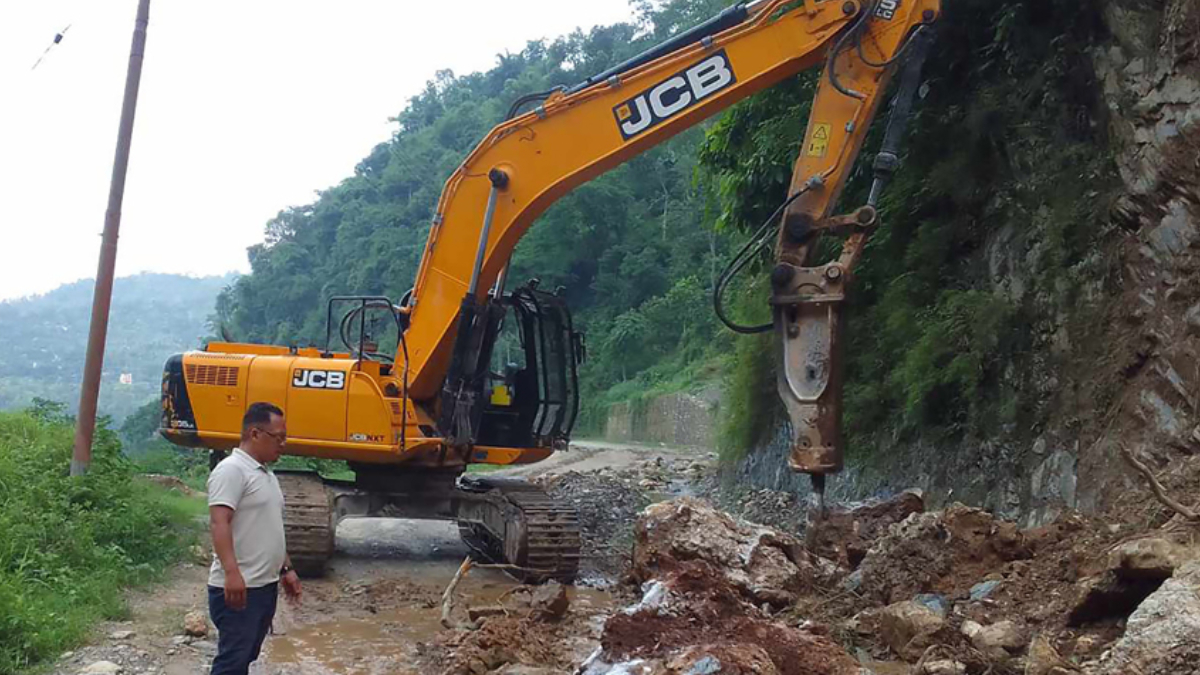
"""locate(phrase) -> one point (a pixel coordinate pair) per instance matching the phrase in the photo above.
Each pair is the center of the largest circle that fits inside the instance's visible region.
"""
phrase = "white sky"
(246, 107)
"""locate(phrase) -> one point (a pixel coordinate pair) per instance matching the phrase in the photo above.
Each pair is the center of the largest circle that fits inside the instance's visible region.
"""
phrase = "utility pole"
(85, 425)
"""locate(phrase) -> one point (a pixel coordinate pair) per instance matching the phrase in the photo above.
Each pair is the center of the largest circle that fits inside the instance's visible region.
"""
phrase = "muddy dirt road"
(379, 607)
(885, 587)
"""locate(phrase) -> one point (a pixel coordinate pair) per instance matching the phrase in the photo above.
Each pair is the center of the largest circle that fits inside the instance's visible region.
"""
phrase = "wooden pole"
(85, 425)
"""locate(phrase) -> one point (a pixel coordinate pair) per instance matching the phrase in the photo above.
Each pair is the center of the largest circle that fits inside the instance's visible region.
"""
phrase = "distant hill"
(43, 339)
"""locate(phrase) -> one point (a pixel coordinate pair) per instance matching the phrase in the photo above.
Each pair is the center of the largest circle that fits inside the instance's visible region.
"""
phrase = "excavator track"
(519, 524)
(307, 521)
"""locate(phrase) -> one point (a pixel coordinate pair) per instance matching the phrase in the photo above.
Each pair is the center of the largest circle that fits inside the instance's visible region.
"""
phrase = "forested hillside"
(634, 248)
(153, 316)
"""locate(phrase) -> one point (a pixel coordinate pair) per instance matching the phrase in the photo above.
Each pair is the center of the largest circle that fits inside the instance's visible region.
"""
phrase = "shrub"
(68, 545)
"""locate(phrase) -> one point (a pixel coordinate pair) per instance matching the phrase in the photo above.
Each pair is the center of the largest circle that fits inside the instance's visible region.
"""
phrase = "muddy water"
(381, 601)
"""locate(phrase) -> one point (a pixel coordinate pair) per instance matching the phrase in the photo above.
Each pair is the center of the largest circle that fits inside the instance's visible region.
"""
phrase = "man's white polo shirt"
(252, 491)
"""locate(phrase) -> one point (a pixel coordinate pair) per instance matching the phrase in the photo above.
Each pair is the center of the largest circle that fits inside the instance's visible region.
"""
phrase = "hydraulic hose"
(757, 242)
(515, 108)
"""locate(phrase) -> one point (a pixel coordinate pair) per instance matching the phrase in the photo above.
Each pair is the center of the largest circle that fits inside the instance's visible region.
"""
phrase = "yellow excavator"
(408, 425)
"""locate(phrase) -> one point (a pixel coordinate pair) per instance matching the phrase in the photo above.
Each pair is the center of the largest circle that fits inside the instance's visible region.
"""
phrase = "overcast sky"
(246, 107)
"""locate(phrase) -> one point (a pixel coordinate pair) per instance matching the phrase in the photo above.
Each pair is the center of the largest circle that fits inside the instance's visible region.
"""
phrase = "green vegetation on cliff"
(987, 229)
(69, 545)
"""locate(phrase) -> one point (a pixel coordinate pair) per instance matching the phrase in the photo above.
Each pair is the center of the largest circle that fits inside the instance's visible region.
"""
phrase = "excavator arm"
(527, 163)
(426, 408)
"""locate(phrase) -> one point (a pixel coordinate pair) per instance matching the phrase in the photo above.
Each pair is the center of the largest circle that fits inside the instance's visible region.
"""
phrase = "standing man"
(245, 507)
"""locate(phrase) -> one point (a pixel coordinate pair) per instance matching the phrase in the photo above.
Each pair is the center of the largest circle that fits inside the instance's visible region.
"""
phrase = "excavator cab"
(533, 395)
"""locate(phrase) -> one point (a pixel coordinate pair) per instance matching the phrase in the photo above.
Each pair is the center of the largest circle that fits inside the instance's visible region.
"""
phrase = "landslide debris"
(694, 620)
(711, 586)
(763, 564)
(887, 587)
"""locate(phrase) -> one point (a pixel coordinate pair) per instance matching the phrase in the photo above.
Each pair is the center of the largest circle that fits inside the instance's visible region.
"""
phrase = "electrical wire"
(58, 37)
(760, 239)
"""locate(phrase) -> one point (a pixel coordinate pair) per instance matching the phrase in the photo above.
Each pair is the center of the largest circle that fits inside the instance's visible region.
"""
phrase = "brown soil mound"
(703, 615)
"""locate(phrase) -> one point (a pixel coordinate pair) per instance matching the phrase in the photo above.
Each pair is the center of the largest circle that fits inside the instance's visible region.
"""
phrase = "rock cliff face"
(1151, 83)
(1115, 347)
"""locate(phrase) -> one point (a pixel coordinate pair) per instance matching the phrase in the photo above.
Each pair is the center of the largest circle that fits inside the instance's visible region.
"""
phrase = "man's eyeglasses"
(279, 438)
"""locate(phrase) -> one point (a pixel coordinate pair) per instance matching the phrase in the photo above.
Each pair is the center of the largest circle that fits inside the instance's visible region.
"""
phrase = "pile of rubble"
(713, 586)
(610, 498)
(880, 588)
(894, 589)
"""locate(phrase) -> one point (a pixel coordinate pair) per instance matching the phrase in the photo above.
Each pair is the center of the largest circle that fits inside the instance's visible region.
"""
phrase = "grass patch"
(68, 546)
(185, 506)
(488, 468)
(751, 409)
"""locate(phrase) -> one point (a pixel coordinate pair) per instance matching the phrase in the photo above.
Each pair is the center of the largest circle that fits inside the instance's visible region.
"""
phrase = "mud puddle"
(380, 605)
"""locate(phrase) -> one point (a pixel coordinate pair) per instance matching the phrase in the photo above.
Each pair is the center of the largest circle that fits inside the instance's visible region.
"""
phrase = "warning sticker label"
(818, 144)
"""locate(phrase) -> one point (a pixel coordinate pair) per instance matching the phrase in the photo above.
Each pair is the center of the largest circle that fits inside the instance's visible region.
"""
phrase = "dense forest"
(1005, 138)
(153, 316)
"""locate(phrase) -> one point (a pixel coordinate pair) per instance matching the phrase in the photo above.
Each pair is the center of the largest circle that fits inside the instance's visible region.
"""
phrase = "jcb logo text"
(887, 9)
(674, 95)
(319, 379)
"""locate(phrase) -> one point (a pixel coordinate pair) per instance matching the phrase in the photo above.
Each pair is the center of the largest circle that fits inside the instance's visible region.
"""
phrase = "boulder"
(847, 532)
(195, 624)
(997, 640)
(1144, 559)
(909, 627)
(1044, 659)
(763, 564)
(550, 600)
(1163, 634)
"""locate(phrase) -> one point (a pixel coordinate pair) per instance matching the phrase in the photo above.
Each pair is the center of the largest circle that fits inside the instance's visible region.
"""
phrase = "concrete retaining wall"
(680, 419)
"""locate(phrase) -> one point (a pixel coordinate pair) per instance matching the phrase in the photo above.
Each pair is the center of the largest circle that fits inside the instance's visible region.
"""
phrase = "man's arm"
(290, 581)
(220, 519)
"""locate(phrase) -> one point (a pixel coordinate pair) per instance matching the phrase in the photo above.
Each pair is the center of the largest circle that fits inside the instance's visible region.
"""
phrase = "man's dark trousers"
(240, 635)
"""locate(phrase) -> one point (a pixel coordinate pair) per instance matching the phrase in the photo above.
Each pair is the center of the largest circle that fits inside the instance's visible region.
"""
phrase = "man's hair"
(258, 415)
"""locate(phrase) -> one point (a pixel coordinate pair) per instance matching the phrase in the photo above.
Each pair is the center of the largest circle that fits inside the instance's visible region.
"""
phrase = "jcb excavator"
(409, 425)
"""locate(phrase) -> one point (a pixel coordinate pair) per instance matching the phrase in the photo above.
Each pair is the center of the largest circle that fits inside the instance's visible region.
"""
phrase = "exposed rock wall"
(1151, 81)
